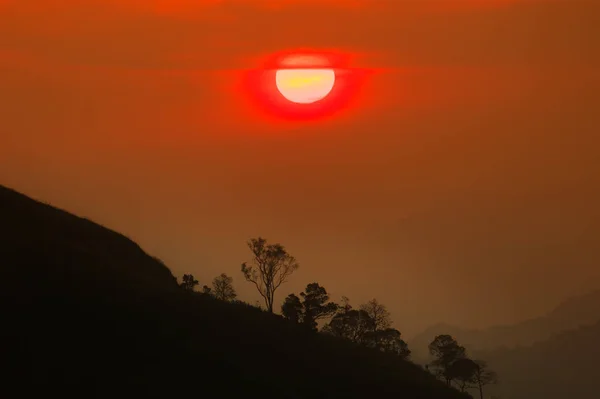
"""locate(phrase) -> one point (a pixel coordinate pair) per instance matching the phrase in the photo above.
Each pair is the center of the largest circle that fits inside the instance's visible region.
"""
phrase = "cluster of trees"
(222, 287)
(312, 306)
(452, 364)
(271, 266)
(369, 325)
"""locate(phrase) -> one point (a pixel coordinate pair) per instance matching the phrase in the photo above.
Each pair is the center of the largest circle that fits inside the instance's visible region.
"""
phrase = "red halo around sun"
(261, 88)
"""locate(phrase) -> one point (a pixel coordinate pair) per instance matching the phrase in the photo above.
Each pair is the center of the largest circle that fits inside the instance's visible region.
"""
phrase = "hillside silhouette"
(87, 313)
(578, 311)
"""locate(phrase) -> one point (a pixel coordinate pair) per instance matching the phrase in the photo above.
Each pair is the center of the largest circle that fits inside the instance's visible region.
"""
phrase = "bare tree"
(462, 373)
(222, 288)
(483, 376)
(380, 316)
(271, 267)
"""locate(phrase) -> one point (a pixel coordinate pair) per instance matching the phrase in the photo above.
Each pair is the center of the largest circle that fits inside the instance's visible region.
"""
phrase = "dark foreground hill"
(87, 314)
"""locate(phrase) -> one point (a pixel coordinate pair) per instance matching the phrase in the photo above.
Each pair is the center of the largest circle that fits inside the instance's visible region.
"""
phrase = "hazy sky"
(462, 186)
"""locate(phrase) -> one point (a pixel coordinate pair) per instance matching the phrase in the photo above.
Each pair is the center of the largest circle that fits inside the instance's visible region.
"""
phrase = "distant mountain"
(86, 313)
(575, 312)
(564, 366)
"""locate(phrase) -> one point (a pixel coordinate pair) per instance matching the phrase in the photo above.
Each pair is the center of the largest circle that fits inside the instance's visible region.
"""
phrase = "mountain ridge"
(574, 312)
(564, 365)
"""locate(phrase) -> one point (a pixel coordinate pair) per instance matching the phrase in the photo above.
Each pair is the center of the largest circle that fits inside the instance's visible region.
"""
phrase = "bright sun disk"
(305, 86)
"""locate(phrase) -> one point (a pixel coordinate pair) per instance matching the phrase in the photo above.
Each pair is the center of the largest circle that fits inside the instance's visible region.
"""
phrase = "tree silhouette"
(271, 267)
(313, 306)
(292, 308)
(370, 325)
(352, 325)
(446, 351)
(349, 323)
(379, 315)
(388, 340)
(316, 305)
(222, 288)
(452, 364)
(483, 376)
(468, 373)
(206, 290)
(462, 371)
(188, 282)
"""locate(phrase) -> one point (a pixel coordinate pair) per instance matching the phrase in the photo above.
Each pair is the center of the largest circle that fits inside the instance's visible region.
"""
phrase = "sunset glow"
(441, 156)
(303, 85)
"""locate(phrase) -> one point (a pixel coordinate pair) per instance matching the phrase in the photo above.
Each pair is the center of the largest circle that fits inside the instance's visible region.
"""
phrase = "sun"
(305, 86)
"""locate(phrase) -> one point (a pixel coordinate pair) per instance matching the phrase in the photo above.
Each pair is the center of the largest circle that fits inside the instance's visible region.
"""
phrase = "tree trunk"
(480, 390)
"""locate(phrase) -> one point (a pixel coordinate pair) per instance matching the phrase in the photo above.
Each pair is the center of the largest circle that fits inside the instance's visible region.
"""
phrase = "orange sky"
(463, 187)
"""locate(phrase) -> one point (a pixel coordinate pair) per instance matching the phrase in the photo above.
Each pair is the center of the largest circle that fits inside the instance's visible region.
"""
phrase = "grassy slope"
(86, 313)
